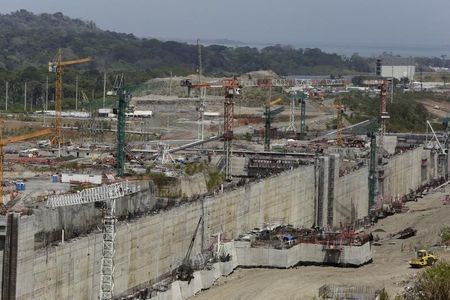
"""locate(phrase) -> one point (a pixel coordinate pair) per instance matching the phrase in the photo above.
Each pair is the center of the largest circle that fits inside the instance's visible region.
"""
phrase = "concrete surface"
(151, 246)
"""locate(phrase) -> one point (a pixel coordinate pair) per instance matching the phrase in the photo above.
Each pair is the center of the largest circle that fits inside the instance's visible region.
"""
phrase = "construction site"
(186, 188)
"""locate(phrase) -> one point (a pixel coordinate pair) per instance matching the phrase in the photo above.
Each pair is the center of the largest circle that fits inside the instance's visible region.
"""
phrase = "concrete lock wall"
(151, 246)
(408, 171)
(351, 197)
(247, 256)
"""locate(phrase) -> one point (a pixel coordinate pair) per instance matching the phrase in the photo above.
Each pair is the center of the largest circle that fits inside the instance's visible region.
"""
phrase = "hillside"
(27, 39)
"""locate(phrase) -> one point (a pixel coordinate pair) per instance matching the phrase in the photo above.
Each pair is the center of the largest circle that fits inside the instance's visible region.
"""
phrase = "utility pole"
(25, 98)
(392, 87)
(170, 84)
(46, 98)
(104, 90)
(202, 91)
(421, 79)
(76, 93)
(6, 95)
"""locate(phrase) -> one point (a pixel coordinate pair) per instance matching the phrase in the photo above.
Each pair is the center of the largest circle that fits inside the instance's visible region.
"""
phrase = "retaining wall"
(151, 246)
(247, 256)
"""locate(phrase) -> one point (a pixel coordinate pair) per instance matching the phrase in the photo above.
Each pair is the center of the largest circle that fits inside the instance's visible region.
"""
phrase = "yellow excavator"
(423, 258)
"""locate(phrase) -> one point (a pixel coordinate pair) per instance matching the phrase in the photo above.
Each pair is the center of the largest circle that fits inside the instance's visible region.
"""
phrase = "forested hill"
(27, 40)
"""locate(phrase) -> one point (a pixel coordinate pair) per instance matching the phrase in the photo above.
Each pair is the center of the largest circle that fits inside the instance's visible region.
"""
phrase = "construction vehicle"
(423, 258)
(185, 272)
(15, 139)
(57, 67)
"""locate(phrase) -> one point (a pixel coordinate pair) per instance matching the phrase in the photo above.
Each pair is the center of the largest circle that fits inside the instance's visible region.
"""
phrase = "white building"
(398, 67)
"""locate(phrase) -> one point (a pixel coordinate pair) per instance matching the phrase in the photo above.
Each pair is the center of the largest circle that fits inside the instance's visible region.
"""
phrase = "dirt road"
(389, 268)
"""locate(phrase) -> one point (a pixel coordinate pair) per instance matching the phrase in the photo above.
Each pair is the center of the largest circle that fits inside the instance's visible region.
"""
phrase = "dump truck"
(423, 258)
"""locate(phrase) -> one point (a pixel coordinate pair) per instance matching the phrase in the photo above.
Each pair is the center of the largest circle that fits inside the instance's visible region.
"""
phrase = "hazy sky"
(394, 22)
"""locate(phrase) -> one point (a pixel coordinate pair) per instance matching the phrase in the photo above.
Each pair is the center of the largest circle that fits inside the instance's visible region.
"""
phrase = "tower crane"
(340, 108)
(106, 194)
(269, 115)
(232, 89)
(57, 67)
(15, 139)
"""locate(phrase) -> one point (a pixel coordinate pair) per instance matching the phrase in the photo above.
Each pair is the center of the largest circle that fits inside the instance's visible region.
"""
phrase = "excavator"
(185, 272)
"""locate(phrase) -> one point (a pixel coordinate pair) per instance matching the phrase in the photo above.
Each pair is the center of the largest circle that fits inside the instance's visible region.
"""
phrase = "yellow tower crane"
(57, 67)
(15, 139)
(340, 108)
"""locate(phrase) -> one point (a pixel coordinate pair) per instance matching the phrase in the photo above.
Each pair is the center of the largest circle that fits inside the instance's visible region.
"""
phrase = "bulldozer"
(423, 258)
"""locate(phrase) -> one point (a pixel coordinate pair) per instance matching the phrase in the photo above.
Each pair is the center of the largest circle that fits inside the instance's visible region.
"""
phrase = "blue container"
(20, 186)
(55, 178)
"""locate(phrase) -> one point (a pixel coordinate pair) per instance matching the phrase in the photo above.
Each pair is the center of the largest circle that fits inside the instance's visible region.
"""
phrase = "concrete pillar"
(442, 166)
(9, 270)
(333, 175)
(322, 193)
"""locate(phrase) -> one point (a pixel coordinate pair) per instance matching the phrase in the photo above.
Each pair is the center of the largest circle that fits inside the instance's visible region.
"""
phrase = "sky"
(295, 22)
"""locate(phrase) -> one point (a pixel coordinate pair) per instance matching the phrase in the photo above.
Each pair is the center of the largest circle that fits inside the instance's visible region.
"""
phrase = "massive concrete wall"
(351, 201)
(151, 246)
(343, 199)
(408, 171)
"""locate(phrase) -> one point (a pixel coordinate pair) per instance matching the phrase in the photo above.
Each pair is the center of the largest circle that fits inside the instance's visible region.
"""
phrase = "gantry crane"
(15, 139)
(57, 67)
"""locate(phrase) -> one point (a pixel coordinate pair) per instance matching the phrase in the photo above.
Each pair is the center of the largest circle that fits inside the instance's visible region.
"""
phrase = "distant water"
(367, 50)
(375, 50)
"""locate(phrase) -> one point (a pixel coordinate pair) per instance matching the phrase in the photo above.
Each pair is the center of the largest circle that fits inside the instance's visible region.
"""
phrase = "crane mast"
(232, 89)
(57, 67)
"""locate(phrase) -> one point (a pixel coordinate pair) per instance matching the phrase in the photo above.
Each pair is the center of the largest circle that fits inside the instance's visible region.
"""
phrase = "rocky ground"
(389, 269)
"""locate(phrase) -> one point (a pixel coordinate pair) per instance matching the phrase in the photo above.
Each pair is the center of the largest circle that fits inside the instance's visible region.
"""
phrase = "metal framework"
(372, 169)
(58, 68)
(303, 116)
(107, 194)
(291, 127)
(269, 115)
(383, 115)
(231, 87)
(339, 118)
(121, 116)
(339, 125)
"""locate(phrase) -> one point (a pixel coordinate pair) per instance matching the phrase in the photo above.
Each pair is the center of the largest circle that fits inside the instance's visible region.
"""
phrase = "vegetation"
(194, 168)
(215, 180)
(406, 113)
(434, 282)
(28, 42)
(445, 235)
(161, 180)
